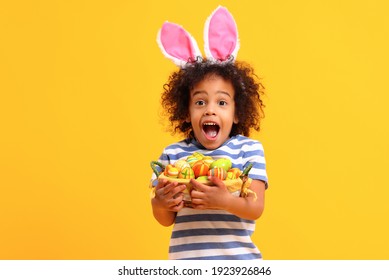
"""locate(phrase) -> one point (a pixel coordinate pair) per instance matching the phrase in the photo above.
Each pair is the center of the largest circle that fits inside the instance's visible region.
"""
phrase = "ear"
(236, 120)
(177, 44)
(221, 36)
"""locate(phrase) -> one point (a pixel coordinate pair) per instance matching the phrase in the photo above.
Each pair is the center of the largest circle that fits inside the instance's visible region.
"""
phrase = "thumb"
(217, 182)
(197, 185)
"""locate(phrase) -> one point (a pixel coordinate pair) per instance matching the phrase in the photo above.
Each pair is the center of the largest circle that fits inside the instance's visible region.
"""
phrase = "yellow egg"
(167, 169)
(208, 160)
(192, 160)
(172, 172)
(198, 155)
(186, 173)
(180, 164)
(230, 176)
(236, 172)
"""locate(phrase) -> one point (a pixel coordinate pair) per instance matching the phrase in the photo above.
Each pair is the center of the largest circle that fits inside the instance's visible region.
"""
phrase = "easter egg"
(192, 160)
(171, 171)
(230, 176)
(208, 160)
(167, 168)
(234, 173)
(218, 172)
(198, 155)
(181, 164)
(224, 163)
(200, 168)
(202, 179)
(186, 173)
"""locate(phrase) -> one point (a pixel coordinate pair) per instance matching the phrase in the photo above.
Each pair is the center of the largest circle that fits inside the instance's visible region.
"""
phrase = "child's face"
(212, 111)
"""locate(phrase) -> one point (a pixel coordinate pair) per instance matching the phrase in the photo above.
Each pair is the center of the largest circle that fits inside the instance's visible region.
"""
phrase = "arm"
(168, 200)
(218, 197)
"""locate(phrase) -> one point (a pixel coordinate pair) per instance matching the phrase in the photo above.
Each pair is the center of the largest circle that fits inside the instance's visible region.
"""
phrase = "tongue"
(211, 130)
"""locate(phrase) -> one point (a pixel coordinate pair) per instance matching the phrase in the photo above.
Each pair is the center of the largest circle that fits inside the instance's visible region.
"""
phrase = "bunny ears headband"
(220, 40)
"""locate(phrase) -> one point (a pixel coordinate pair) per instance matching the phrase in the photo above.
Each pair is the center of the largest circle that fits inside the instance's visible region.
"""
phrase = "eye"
(200, 102)
(222, 103)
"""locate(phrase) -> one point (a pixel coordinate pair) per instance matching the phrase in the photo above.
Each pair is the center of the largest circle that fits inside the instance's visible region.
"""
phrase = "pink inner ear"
(176, 42)
(222, 35)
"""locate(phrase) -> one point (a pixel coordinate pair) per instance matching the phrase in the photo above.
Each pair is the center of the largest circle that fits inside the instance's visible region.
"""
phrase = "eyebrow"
(219, 91)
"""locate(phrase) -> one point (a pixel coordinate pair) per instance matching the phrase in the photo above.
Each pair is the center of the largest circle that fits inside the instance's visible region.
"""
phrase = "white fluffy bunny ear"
(177, 44)
(221, 36)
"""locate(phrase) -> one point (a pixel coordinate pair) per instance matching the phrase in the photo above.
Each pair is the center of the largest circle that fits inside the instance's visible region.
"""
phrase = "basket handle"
(246, 171)
(244, 176)
(153, 167)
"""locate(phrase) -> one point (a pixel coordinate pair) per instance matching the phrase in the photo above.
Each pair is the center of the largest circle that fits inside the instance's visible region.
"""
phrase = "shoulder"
(180, 145)
(245, 143)
(179, 149)
(252, 152)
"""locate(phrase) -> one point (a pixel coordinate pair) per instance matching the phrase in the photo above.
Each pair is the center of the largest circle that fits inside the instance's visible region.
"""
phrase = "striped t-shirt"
(216, 234)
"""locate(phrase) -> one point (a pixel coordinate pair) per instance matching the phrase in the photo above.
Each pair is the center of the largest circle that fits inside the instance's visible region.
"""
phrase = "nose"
(210, 110)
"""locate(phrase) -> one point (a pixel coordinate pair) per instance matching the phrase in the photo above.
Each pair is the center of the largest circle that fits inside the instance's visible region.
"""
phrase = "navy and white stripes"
(212, 234)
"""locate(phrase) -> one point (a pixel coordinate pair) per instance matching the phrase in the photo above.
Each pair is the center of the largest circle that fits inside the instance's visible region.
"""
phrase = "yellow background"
(80, 83)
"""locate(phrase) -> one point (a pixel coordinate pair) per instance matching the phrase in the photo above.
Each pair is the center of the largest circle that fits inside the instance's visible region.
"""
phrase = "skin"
(168, 200)
(211, 101)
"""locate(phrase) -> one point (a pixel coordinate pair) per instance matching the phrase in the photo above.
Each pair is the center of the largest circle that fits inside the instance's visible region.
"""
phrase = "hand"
(210, 197)
(169, 196)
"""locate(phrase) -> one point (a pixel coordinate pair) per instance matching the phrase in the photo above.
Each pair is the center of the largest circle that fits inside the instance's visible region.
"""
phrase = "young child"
(214, 102)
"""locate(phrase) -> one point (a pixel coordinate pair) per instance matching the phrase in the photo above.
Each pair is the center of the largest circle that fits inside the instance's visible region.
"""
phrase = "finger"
(166, 191)
(169, 187)
(197, 201)
(197, 194)
(181, 188)
(216, 181)
(176, 201)
(159, 193)
(180, 199)
(178, 190)
(161, 184)
(179, 194)
(164, 187)
(198, 186)
(177, 207)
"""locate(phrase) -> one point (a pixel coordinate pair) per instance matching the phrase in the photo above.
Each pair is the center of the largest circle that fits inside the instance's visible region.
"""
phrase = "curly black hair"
(248, 91)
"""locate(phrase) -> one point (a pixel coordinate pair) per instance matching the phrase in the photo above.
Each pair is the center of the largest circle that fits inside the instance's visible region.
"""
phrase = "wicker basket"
(239, 186)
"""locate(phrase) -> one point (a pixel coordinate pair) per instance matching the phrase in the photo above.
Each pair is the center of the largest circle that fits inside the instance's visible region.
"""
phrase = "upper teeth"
(209, 123)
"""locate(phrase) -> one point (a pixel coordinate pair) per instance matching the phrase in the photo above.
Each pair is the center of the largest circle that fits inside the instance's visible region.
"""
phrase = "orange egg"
(200, 168)
(167, 168)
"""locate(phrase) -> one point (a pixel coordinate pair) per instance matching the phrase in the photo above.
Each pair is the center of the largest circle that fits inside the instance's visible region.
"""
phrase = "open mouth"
(211, 129)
